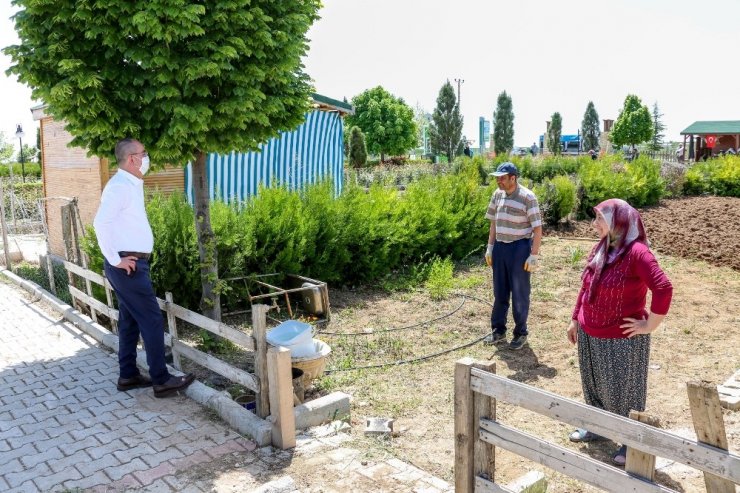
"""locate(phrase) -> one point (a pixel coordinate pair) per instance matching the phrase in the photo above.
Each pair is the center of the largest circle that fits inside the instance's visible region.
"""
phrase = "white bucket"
(291, 333)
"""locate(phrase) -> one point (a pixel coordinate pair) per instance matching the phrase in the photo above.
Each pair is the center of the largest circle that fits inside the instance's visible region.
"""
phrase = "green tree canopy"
(357, 148)
(445, 132)
(6, 149)
(554, 133)
(634, 124)
(503, 125)
(386, 121)
(590, 128)
(656, 143)
(183, 78)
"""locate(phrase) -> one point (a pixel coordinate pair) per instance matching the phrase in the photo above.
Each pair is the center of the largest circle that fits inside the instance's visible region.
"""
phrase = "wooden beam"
(706, 412)
(172, 326)
(618, 428)
(259, 332)
(465, 433)
(281, 397)
(640, 463)
(484, 458)
(77, 294)
(212, 363)
(85, 273)
(485, 486)
(565, 461)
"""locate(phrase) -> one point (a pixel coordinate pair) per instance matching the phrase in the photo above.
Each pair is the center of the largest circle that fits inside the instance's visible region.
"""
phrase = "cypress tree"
(590, 128)
(503, 125)
(445, 131)
(357, 148)
(554, 133)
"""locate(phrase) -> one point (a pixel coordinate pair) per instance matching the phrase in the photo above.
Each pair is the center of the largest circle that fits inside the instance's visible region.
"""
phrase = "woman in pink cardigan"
(610, 322)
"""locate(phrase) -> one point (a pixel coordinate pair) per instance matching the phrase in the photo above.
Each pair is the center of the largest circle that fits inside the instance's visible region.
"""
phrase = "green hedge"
(358, 237)
(720, 176)
(557, 198)
(32, 170)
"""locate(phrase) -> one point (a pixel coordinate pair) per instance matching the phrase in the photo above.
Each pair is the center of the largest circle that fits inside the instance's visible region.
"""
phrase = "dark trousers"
(511, 281)
(138, 313)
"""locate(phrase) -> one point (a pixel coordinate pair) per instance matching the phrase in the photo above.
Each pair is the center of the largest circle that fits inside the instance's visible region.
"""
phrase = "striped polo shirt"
(515, 215)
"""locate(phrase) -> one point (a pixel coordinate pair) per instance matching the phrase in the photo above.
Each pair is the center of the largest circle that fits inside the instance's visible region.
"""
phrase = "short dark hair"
(123, 149)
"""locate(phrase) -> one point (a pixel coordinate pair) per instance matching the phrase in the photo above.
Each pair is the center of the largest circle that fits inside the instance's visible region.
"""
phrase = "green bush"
(32, 170)
(358, 237)
(638, 182)
(557, 198)
(720, 176)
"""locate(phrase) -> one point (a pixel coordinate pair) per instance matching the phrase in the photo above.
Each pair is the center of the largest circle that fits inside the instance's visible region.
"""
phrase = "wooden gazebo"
(710, 138)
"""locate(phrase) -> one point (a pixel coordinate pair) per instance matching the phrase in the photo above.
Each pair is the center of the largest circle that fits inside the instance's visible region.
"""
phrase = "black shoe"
(494, 338)
(137, 382)
(518, 342)
(173, 385)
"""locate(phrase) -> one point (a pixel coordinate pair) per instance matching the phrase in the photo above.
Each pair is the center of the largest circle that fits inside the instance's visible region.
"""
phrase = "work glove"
(531, 264)
(489, 255)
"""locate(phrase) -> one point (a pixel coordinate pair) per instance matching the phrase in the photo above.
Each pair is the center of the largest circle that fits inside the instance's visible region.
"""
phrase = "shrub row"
(32, 170)
(720, 176)
(358, 237)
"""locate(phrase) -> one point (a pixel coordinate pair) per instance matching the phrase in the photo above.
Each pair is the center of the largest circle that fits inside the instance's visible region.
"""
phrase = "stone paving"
(65, 427)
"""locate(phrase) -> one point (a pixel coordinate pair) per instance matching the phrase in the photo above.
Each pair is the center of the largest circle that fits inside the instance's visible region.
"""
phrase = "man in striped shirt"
(513, 251)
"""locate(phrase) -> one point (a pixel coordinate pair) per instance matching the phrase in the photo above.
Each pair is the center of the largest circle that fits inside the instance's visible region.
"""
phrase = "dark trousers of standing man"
(138, 313)
(510, 280)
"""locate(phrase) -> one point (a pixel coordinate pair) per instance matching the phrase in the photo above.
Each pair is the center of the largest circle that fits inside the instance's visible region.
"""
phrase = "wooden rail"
(708, 454)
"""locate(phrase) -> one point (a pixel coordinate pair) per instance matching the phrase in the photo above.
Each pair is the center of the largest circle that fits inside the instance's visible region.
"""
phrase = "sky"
(548, 56)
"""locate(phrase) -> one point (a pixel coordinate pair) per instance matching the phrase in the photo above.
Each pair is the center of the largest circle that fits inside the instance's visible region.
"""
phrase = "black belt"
(143, 256)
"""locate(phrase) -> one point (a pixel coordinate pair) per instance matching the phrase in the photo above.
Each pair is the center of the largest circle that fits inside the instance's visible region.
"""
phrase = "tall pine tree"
(357, 148)
(656, 143)
(554, 133)
(590, 128)
(445, 130)
(503, 125)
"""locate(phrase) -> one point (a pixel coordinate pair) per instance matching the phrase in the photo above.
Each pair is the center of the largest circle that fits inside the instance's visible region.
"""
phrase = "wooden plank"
(618, 428)
(259, 331)
(77, 294)
(706, 413)
(212, 363)
(172, 326)
(465, 434)
(109, 300)
(485, 486)
(85, 273)
(640, 463)
(484, 459)
(566, 461)
(281, 397)
(218, 328)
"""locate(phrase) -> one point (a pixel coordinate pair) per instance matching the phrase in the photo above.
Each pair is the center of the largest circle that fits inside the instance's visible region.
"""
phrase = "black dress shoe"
(173, 385)
(137, 382)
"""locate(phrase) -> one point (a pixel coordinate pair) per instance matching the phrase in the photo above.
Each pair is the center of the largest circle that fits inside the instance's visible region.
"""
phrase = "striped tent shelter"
(312, 152)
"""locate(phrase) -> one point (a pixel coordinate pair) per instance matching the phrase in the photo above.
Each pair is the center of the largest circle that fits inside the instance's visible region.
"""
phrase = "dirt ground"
(696, 242)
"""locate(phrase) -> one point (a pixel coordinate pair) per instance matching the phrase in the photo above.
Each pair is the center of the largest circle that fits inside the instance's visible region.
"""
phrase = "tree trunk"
(210, 302)
(382, 157)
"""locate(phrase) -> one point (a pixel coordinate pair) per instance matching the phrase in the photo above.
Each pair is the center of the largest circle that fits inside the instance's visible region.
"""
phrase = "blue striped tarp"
(312, 152)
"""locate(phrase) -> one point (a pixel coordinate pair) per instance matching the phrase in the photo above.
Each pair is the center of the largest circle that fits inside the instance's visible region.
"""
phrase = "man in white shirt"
(126, 240)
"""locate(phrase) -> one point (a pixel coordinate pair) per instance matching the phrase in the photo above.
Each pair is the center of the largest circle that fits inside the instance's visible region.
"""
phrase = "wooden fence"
(272, 378)
(477, 433)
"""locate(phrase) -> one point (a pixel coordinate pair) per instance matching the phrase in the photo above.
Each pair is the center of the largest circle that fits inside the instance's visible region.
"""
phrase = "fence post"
(4, 227)
(484, 458)
(640, 463)
(464, 427)
(49, 264)
(281, 397)
(172, 325)
(706, 412)
(259, 332)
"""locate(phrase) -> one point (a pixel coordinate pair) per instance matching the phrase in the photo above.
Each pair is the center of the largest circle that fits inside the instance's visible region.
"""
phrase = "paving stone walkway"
(65, 427)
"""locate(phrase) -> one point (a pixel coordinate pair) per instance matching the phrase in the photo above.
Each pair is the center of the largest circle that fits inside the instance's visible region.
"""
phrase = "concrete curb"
(232, 413)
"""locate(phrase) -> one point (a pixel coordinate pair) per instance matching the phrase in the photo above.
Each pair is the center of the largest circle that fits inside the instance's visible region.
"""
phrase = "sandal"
(581, 435)
(620, 456)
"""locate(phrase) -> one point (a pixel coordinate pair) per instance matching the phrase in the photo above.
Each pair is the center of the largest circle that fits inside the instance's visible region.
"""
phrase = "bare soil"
(696, 241)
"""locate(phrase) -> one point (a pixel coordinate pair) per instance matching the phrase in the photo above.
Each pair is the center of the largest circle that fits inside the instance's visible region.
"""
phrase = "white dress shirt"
(121, 224)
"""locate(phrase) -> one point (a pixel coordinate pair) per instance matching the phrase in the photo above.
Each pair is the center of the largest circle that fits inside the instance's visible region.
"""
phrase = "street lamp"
(19, 133)
(459, 81)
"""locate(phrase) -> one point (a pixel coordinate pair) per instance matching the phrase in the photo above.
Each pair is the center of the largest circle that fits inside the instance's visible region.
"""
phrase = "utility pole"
(459, 81)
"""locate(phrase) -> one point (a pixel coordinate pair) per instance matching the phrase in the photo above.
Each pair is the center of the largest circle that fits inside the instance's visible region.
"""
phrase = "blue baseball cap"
(505, 169)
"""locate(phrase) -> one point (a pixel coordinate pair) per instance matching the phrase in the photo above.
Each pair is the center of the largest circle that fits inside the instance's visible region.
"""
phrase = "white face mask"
(144, 165)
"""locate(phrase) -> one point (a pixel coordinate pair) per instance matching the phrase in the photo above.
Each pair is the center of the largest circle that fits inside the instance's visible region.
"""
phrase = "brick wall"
(67, 172)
